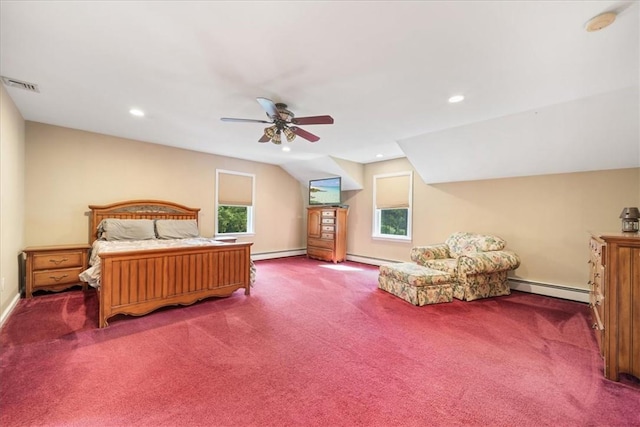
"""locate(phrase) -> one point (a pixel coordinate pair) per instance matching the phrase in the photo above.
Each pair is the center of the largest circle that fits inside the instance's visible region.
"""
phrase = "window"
(392, 205)
(234, 202)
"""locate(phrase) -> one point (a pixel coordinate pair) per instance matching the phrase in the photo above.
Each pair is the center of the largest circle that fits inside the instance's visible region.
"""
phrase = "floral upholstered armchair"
(478, 262)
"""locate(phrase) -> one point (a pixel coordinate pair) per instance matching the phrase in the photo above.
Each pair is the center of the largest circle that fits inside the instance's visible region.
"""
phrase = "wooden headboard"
(138, 209)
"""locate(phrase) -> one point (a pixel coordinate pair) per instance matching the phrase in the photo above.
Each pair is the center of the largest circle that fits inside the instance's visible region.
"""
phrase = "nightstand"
(55, 268)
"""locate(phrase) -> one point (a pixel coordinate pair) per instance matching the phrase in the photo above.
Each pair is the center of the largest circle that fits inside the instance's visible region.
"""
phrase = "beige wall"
(67, 170)
(12, 148)
(545, 219)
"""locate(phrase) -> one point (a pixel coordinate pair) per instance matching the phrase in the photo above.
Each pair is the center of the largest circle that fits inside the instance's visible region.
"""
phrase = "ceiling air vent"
(20, 84)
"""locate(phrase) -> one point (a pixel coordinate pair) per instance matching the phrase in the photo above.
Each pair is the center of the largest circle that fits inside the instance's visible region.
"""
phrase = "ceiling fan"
(284, 122)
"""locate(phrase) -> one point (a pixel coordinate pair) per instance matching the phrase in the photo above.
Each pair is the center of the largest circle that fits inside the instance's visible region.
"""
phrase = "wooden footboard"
(139, 282)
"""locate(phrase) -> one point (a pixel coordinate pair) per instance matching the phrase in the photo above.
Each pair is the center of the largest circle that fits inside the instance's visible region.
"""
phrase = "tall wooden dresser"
(327, 233)
(615, 300)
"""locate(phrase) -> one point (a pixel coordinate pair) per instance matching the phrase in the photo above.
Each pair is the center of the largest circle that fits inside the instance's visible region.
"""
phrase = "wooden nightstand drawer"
(48, 278)
(46, 261)
(55, 268)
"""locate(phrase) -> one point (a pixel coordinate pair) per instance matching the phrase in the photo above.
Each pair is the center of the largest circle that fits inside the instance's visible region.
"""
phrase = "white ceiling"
(383, 70)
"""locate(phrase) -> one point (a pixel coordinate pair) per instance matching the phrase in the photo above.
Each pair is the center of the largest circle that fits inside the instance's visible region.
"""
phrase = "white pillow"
(176, 228)
(126, 229)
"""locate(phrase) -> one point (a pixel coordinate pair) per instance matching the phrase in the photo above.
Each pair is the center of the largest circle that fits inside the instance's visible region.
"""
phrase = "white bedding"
(92, 274)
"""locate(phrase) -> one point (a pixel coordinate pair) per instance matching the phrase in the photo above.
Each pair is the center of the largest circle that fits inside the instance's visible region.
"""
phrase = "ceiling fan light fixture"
(289, 134)
(283, 121)
(270, 131)
(276, 138)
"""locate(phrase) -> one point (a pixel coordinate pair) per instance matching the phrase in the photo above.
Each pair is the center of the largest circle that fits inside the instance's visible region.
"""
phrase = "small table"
(55, 268)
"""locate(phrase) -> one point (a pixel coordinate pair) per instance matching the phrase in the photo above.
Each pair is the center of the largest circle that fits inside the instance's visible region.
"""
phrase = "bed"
(136, 279)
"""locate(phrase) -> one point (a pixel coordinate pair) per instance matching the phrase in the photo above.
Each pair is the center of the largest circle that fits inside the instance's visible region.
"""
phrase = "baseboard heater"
(277, 254)
(548, 289)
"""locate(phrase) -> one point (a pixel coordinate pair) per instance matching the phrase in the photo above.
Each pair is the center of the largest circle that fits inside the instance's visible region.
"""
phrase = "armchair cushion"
(462, 243)
(421, 254)
(488, 262)
(448, 265)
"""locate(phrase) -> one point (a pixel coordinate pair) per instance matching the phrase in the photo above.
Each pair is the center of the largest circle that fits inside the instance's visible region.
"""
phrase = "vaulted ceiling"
(383, 70)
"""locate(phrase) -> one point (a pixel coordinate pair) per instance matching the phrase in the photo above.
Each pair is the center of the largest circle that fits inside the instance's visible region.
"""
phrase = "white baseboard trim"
(368, 260)
(5, 314)
(549, 289)
(277, 254)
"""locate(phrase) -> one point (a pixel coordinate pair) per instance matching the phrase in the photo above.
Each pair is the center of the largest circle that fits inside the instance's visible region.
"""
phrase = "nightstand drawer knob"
(58, 261)
(58, 278)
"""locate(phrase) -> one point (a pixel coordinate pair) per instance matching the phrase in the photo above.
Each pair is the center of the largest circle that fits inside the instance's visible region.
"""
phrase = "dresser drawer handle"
(58, 278)
(594, 326)
(58, 261)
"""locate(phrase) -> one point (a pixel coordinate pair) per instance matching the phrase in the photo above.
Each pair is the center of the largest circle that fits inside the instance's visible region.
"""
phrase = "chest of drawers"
(614, 292)
(54, 268)
(327, 233)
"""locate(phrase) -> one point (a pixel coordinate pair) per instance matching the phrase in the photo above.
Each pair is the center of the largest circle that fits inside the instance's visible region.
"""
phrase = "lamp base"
(630, 226)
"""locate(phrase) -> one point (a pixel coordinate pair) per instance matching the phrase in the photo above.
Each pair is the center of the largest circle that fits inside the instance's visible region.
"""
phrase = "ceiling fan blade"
(269, 107)
(264, 138)
(313, 120)
(230, 119)
(304, 134)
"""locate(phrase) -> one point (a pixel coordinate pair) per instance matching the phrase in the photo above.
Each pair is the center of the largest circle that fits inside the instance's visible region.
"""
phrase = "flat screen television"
(325, 191)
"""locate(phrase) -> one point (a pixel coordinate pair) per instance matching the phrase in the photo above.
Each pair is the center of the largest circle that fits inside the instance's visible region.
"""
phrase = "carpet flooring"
(315, 344)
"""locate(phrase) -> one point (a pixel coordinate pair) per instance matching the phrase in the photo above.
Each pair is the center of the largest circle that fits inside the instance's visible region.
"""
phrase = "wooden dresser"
(55, 268)
(327, 233)
(615, 300)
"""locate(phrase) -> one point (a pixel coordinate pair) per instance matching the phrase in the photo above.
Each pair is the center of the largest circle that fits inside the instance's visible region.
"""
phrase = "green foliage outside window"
(394, 221)
(232, 219)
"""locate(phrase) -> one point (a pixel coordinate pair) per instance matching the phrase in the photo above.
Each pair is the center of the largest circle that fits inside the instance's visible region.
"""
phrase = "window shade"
(393, 191)
(235, 189)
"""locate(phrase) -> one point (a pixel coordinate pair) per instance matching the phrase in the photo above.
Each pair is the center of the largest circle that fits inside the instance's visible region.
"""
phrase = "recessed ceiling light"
(285, 148)
(136, 112)
(379, 155)
(456, 98)
(600, 21)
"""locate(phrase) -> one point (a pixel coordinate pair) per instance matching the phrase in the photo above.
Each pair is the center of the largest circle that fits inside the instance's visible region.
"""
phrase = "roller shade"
(234, 189)
(392, 192)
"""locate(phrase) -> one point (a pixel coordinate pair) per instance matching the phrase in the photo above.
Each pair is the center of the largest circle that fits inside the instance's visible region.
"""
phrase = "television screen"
(325, 191)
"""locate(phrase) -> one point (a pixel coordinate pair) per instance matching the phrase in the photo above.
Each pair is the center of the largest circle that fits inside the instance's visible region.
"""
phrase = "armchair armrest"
(420, 254)
(488, 262)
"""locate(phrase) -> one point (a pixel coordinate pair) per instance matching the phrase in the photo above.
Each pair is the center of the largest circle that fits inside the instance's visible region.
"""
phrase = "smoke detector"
(601, 21)
(20, 84)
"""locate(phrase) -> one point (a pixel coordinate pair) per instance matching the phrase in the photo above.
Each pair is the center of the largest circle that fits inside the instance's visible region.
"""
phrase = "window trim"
(250, 208)
(377, 213)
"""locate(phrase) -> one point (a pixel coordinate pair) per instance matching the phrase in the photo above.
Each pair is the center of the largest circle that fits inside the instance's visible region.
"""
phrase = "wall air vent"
(20, 84)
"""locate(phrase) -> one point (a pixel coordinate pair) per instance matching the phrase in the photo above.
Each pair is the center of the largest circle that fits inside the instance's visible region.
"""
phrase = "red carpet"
(311, 346)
